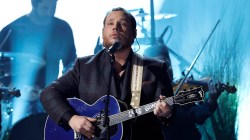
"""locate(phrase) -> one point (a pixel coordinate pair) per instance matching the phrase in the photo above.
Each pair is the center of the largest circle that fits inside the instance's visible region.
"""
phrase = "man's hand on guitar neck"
(83, 125)
(162, 109)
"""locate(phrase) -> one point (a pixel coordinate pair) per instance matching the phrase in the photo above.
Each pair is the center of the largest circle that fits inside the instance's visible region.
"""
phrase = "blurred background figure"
(32, 47)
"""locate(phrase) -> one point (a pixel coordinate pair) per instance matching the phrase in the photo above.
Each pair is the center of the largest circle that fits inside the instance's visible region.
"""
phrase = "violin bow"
(194, 61)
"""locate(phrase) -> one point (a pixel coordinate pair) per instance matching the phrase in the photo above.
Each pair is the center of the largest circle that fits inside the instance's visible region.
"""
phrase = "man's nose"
(115, 29)
(116, 26)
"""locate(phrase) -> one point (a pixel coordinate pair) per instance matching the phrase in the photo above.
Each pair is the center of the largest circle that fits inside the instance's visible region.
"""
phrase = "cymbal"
(20, 61)
(156, 16)
(142, 14)
(147, 40)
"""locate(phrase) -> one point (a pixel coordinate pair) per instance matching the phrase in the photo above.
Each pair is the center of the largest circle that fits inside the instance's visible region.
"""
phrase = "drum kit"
(143, 17)
(9, 95)
(146, 38)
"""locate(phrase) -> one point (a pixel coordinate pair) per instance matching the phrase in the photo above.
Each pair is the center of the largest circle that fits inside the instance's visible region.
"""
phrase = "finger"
(93, 137)
(87, 131)
(156, 109)
(88, 123)
(91, 119)
(89, 127)
(163, 104)
(160, 109)
(162, 97)
(87, 134)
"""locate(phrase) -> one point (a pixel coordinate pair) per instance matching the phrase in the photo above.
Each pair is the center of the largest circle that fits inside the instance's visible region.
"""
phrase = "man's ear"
(102, 32)
(135, 34)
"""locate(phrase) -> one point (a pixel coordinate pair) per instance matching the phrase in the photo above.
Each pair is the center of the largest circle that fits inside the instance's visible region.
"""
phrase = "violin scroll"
(226, 87)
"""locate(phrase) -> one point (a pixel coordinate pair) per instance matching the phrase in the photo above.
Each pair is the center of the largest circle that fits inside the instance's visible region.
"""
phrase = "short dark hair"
(130, 16)
(35, 2)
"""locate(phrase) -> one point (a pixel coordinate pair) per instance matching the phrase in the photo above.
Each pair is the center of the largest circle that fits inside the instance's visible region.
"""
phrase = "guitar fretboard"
(133, 113)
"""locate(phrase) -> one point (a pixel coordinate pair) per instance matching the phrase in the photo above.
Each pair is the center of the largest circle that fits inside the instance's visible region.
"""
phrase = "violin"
(190, 83)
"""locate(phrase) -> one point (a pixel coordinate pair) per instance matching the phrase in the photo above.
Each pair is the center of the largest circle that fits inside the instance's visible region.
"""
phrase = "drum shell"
(29, 128)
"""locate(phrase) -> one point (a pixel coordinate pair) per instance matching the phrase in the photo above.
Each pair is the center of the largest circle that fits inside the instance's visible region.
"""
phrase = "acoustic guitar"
(55, 132)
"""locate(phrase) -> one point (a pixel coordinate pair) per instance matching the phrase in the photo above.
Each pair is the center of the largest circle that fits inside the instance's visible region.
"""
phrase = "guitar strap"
(136, 80)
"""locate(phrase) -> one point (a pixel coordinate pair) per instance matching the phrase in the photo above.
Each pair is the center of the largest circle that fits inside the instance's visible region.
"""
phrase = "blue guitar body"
(55, 132)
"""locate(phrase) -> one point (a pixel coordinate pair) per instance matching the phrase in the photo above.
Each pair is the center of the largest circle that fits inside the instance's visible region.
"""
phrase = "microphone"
(14, 92)
(115, 46)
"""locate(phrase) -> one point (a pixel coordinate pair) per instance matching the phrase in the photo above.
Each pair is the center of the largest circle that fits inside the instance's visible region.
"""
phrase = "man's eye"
(110, 23)
(124, 24)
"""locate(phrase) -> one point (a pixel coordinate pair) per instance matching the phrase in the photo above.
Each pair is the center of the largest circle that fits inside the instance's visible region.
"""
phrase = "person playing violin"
(185, 118)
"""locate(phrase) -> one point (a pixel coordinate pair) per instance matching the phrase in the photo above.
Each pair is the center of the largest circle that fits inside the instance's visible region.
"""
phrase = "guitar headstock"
(189, 96)
(8, 91)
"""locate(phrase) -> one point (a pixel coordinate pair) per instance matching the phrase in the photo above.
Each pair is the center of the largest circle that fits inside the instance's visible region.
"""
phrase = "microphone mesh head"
(115, 46)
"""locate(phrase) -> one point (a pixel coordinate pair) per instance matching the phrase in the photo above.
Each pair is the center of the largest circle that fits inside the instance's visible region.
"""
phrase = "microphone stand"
(152, 22)
(106, 119)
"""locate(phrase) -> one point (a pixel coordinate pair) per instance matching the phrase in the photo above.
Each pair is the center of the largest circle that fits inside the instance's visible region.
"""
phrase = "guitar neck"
(133, 113)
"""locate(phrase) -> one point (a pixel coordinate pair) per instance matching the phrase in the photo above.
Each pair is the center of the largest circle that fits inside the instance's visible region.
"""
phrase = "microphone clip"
(115, 46)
